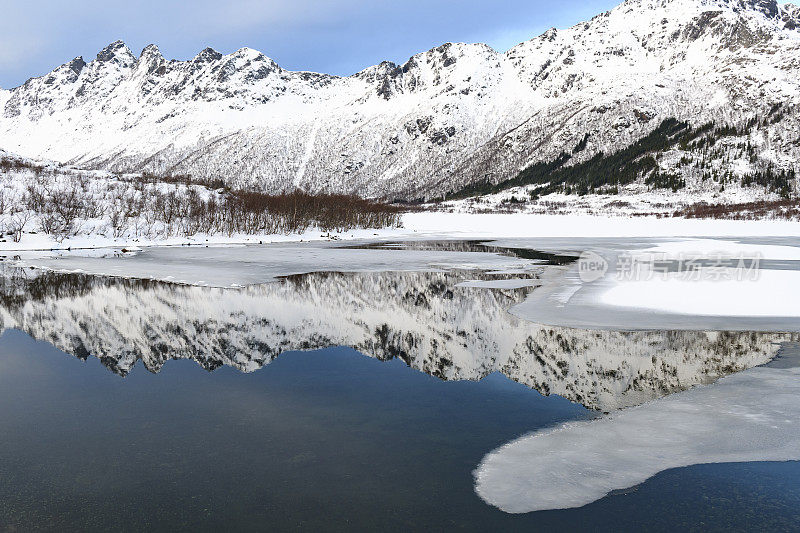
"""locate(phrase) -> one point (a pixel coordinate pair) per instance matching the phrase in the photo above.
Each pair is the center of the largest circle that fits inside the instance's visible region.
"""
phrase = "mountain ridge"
(788, 11)
(451, 116)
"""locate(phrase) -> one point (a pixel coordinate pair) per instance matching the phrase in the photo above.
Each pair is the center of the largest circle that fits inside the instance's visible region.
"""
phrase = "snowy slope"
(453, 115)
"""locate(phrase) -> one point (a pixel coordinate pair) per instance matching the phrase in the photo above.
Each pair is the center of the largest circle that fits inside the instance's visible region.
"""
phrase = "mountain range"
(449, 118)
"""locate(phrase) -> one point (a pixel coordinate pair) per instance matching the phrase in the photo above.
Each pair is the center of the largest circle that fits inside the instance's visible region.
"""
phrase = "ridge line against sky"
(339, 37)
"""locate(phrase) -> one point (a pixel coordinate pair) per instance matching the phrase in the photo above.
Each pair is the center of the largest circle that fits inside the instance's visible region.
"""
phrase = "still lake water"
(127, 405)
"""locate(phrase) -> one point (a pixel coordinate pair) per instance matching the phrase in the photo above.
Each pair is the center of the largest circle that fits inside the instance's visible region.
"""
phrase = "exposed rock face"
(456, 114)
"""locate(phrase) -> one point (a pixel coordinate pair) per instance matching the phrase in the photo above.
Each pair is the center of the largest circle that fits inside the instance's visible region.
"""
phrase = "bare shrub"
(117, 221)
(17, 223)
(782, 209)
(61, 203)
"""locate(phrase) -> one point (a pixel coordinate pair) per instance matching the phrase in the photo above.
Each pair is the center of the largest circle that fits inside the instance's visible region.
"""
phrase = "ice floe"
(750, 416)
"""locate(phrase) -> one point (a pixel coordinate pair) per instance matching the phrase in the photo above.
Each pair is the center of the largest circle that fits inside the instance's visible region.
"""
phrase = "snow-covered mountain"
(423, 318)
(455, 115)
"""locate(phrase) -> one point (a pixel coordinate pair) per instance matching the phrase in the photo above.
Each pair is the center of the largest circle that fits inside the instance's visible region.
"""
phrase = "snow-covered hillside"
(455, 115)
(45, 205)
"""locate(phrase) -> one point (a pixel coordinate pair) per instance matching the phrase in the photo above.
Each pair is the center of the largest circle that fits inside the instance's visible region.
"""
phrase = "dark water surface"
(130, 405)
(328, 440)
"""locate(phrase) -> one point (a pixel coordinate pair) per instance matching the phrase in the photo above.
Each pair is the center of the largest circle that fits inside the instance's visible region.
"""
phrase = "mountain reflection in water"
(422, 318)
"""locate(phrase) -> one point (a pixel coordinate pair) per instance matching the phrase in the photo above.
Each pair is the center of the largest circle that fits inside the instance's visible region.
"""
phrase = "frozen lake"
(402, 384)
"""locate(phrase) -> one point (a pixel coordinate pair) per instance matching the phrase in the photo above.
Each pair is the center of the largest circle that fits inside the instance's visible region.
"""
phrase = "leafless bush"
(35, 197)
(181, 179)
(63, 203)
(51, 224)
(8, 164)
(118, 222)
(782, 209)
(296, 212)
(258, 213)
(16, 225)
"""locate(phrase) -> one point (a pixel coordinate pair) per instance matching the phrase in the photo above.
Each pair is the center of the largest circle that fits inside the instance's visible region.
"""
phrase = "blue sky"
(334, 36)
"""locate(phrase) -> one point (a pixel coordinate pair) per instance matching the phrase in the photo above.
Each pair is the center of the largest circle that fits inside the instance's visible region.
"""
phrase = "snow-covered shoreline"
(709, 298)
(42, 242)
(443, 225)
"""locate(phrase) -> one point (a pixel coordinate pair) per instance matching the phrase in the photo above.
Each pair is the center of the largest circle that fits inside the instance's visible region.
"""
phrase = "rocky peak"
(76, 65)
(207, 56)
(451, 52)
(767, 7)
(151, 60)
(683, 8)
(117, 52)
(150, 51)
(790, 15)
(249, 53)
(245, 64)
(375, 72)
(380, 76)
(66, 73)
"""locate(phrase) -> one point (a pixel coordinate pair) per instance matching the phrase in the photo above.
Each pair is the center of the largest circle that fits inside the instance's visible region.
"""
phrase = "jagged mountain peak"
(767, 7)
(118, 52)
(151, 61)
(249, 53)
(763, 6)
(76, 65)
(442, 68)
(451, 115)
(790, 15)
(67, 72)
(654, 33)
(646, 13)
(207, 55)
(150, 50)
(380, 74)
(447, 54)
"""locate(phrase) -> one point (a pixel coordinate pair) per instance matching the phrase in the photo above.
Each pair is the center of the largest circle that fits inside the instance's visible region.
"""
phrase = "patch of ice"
(521, 225)
(775, 293)
(751, 416)
(247, 265)
(717, 247)
(710, 284)
(516, 283)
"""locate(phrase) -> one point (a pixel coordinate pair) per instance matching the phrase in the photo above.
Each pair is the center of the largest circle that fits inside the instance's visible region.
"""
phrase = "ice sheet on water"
(750, 416)
(563, 300)
(513, 283)
(774, 293)
(226, 266)
(698, 284)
